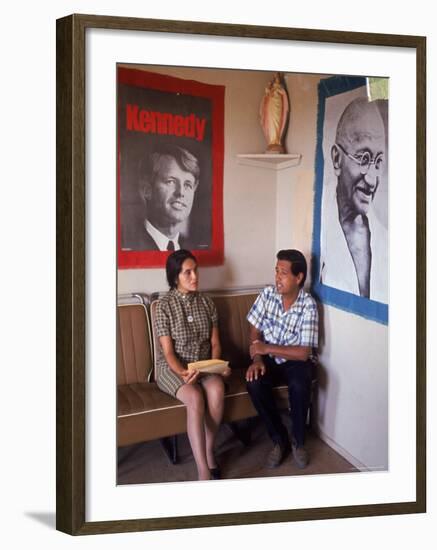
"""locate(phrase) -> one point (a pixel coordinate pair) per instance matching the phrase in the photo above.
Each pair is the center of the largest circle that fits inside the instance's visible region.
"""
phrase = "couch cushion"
(234, 328)
(146, 413)
(134, 352)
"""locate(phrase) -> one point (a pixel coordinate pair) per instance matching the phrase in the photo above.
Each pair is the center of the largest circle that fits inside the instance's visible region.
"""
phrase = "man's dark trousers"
(297, 375)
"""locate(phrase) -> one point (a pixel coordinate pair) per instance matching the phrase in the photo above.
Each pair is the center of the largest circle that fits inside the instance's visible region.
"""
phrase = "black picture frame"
(71, 274)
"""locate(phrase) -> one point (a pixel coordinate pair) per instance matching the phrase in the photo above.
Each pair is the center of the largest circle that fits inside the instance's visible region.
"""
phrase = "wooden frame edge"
(421, 464)
(70, 277)
(70, 273)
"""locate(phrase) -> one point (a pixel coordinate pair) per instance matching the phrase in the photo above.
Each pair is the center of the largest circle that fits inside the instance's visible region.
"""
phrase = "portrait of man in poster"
(167, 183)
(354, 219)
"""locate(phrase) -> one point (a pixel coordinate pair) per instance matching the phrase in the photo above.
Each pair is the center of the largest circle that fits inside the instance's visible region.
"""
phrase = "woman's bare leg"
(192, 397)
(214, 392)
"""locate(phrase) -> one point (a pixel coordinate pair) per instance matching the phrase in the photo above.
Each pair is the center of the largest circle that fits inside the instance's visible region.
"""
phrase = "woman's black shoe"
(215, 473)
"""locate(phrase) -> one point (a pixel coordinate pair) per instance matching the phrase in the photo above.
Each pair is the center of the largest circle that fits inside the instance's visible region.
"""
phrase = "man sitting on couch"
(284, 335)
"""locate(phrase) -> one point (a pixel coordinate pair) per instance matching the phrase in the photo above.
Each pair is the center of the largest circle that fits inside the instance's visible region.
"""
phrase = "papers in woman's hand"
(209, 365)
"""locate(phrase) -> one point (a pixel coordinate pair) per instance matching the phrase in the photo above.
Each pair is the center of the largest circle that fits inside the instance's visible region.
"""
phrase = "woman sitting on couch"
(187, 327)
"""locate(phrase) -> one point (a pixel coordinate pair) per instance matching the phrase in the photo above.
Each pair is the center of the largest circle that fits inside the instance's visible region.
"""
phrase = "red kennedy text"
(155, 122)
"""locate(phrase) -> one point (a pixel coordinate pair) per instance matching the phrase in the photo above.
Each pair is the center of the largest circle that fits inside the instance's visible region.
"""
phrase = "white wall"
(28, 281)
(296, 186)
(353, 388)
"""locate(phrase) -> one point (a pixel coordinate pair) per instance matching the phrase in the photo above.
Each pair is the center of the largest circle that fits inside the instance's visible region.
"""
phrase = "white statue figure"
(274, 111)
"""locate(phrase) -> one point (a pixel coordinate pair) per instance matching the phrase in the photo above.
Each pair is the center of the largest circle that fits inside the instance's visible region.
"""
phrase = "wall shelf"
(270, 161)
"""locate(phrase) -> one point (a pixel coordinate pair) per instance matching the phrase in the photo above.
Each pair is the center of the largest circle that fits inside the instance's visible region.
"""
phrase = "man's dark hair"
(174, 265)
(297, 260)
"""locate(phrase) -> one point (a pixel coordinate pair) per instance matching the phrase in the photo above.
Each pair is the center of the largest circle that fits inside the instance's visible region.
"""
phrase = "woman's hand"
(227, 372)
(190, 376)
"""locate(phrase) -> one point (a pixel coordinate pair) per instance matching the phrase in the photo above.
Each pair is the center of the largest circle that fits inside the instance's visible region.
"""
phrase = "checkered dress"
(297, 326)
(188, 319)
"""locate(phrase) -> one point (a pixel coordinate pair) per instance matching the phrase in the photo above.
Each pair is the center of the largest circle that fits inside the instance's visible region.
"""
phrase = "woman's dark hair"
(297, 260)
(174, 265)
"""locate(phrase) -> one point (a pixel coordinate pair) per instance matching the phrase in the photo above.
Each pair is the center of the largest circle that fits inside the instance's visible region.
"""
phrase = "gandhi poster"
(351, 215)
(170, 163)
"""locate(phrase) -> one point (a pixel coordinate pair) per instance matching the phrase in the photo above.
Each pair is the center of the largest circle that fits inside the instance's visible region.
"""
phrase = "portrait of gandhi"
(356, 256)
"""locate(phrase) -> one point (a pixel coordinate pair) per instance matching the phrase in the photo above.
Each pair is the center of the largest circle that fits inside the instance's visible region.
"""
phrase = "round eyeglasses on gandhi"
(364, 159)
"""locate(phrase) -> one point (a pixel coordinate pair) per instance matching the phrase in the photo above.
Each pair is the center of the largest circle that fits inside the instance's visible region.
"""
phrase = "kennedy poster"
(170, 168)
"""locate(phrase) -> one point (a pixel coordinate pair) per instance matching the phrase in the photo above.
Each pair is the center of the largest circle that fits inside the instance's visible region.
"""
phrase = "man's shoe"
(300, 456)
(276, 456)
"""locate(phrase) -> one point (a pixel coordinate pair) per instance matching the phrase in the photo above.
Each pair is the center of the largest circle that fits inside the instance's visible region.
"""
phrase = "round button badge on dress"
(190, 319)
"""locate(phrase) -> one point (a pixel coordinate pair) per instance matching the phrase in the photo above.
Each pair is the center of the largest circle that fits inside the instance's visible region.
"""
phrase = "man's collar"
(296, 304)
(160, 239)
(300, 298)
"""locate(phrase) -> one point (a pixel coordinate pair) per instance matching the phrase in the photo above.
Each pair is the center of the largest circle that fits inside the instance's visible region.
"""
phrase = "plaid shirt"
(296, 327)
(188, 319)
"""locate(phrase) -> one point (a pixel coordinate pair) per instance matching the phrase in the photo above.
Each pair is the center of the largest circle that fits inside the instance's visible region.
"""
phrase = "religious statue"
(274, 110)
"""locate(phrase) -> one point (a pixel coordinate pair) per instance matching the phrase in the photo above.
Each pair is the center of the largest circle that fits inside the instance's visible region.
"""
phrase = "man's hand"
(257, 348)
(190, 376)
(255, 370)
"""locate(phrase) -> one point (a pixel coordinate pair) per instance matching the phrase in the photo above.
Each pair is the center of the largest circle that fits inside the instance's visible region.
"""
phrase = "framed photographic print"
(128, 91)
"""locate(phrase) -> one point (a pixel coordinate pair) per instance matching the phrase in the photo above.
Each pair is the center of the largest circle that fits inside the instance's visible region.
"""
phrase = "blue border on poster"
(369, 309)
